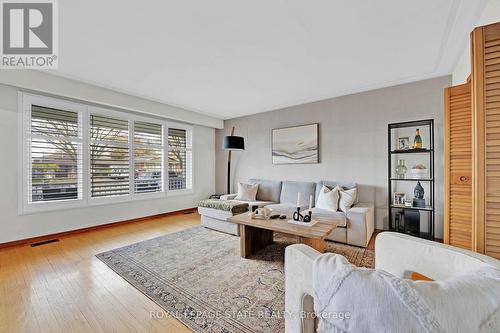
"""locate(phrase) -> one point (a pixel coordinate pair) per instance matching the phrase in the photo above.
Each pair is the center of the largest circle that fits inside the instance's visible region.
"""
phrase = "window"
(179, 159)
(76, 155)
(55, 161)
(109, 156)
(148, 157)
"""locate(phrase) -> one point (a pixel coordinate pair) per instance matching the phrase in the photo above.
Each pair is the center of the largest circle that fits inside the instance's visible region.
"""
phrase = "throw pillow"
(347, 198)
(247, 192)
(328, 199)
(415, 276)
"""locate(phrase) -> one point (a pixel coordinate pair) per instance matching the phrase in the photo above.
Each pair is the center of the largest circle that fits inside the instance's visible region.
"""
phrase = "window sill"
(176, 193)
(126, 198)
(42, 207)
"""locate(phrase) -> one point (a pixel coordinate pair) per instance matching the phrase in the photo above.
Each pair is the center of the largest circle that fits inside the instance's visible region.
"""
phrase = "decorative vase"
(417, 142)
(401, 169)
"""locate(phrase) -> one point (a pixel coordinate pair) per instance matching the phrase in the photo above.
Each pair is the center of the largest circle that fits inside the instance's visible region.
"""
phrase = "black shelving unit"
(429, 150)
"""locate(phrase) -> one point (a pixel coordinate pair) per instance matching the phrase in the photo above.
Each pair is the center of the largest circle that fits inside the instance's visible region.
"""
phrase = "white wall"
(63, 87)
(353, 141)
(491, 14)
(14, 226)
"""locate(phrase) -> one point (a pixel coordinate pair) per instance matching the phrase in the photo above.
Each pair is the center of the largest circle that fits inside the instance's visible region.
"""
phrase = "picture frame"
(295, 144)
(398, 198)
(404, 143)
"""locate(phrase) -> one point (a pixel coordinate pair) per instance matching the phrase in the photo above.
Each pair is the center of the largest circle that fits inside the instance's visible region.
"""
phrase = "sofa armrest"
(360, 224)
(228, 196)
(299, 260)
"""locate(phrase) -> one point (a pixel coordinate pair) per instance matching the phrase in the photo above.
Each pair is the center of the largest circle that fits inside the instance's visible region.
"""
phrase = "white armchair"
(395, 253)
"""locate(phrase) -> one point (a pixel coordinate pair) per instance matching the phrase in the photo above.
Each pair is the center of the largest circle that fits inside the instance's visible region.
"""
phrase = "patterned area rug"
(198, 276)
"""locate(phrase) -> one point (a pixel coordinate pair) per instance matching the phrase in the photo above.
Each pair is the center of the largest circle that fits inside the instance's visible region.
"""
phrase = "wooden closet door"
(458, 166)
(486, 147)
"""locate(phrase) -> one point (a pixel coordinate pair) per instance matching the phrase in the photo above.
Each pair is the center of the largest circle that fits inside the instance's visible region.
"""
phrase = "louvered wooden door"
(458, 166)
(486, 115)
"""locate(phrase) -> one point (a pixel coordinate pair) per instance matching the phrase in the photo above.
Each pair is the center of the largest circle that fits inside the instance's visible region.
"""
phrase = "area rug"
(198, 277)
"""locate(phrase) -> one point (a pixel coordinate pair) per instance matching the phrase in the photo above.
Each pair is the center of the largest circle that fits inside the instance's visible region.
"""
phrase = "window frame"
(189, 134)
(24, 203)
(163, 149)
(25, 206)
(131, 196)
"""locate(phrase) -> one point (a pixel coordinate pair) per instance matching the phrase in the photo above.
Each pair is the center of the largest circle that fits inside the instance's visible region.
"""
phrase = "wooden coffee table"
(256, 234)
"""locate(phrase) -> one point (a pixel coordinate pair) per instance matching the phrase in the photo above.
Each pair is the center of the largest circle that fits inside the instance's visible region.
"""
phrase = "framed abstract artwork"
(295, 145)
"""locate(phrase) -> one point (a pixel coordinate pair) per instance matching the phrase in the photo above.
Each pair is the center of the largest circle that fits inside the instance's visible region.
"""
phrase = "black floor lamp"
(232, 142)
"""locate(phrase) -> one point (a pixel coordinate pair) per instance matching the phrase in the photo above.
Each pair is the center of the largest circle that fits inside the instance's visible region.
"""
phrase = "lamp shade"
(232, 142)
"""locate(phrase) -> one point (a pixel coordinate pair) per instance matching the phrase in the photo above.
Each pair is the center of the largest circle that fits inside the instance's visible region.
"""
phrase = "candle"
(298, 199)
(310, 202)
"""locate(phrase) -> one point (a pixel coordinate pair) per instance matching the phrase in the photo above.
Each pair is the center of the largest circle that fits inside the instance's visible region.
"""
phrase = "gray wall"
(353, 141)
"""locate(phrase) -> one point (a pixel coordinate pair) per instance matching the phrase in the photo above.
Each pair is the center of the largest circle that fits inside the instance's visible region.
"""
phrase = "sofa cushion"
(215, 213)
(228, 196)
(332, 184)
(256, 203)
(215, 223)
(347, 198)
(234, 207)
(269, 190)
(326, 215)
(328, 199)
(247, 192)
(289, 191)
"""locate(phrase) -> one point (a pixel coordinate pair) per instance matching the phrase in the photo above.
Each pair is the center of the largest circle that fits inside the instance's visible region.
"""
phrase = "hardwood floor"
(63, 287)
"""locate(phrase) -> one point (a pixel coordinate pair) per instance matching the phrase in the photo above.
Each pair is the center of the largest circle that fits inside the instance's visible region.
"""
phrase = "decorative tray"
(305, 224)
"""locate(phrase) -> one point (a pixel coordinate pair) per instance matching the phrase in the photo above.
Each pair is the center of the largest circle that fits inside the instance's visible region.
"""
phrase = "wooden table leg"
(253, 239)
(245, 241)
(317, 244)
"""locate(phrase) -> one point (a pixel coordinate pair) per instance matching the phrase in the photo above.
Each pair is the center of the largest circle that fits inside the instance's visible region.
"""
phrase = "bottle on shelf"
(417, 143)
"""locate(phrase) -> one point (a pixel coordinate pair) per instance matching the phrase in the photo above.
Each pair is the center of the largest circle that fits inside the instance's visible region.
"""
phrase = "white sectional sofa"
(354, 227)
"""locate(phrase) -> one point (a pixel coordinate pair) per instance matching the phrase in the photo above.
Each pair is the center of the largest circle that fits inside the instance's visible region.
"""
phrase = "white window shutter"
(55, 155)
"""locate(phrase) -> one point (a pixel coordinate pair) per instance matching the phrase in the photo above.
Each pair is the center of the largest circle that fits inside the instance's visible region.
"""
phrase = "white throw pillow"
(328, 199)
(347, 198)
(247, 192)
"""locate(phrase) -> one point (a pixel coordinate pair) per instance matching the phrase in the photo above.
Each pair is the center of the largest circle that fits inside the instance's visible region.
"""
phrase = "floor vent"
(190, 212)
(45, 242)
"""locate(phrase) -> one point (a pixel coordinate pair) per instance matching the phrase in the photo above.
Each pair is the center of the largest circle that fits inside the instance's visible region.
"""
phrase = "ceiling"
(229, 58)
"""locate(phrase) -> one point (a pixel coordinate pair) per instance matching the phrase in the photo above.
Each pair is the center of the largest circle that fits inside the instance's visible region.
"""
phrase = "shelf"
(427, 179)
(426, 235)
(415, 123)
(426, 208)
(411, 151)
(413, 179)
(421, 234)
